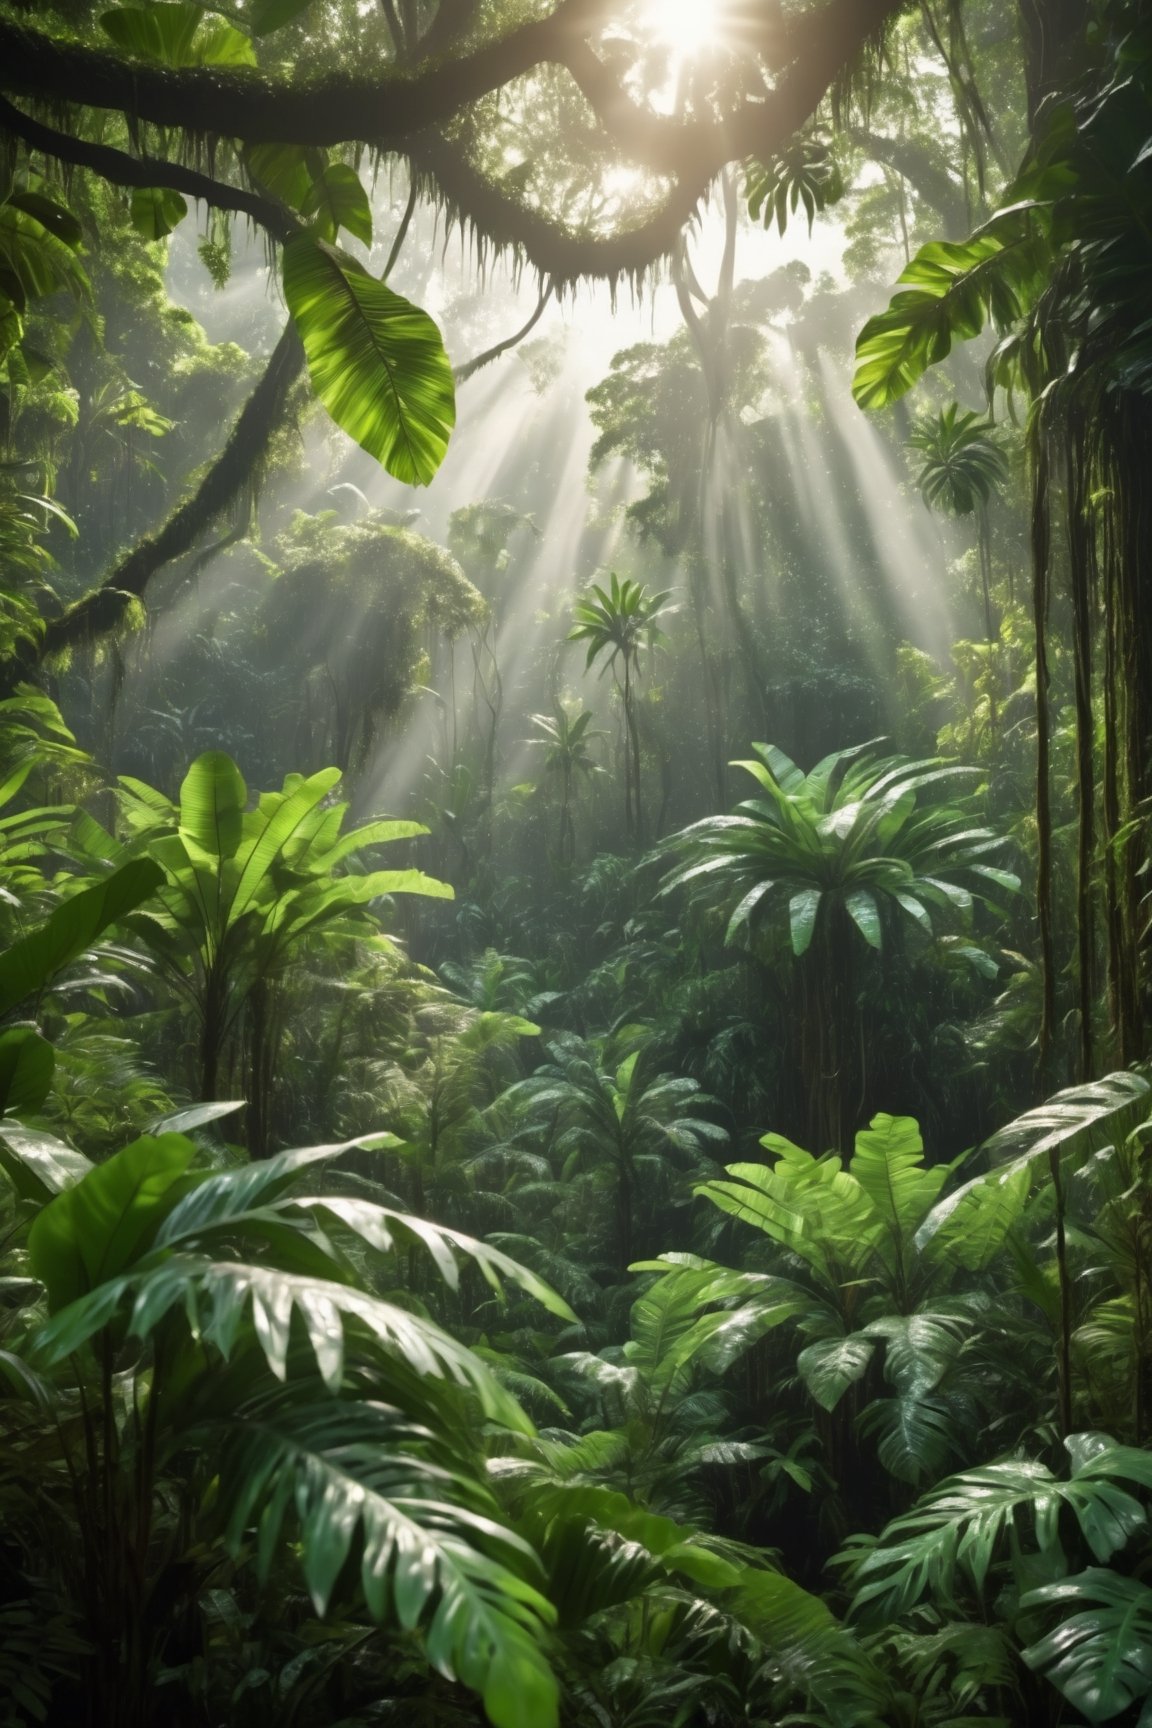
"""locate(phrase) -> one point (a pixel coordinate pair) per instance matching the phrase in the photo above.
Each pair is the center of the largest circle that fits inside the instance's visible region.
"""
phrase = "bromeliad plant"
(202, 1374)
(843, 859)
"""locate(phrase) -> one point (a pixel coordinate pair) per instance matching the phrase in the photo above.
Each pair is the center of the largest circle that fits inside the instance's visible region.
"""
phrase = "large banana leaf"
(97, 1228)
(34, 961)
(270, 835)
(213, 798)
(174, 33)
(376, 361)
(338, 200)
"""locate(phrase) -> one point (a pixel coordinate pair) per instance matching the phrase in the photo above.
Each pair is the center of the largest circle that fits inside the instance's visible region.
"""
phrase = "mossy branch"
(223, 482)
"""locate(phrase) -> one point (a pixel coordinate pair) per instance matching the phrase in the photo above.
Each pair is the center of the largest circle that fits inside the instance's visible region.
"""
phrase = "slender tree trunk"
(1041, 553)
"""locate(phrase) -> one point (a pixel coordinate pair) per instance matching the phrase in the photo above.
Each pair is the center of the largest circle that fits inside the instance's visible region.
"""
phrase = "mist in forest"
(575, 866)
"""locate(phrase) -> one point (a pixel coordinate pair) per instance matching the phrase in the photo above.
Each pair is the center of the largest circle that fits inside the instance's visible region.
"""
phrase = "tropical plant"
(846, 855)
(1055, 273)
(244, 891)
(617, 623)
(806, 173)
(1013, 1522)
(565, 740)
(261, 1356)
(962, 470)
(849, 1276)
(621, 1126)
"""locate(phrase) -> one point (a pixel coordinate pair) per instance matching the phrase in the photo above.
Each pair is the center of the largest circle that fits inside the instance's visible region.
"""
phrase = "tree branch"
(470, 367)
(120, 169)
(104, 607)
(805, 56)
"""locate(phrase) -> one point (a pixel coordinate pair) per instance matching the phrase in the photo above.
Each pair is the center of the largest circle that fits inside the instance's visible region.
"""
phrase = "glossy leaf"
(95, 1230)
(376, 362)
(27, 1062)
(177, 34)
(213, 797)
(38, 1165)
(30, 964)
(1100, 1653)
(156, 211)
(830, 1366)
(338, 200)
(353, 1478)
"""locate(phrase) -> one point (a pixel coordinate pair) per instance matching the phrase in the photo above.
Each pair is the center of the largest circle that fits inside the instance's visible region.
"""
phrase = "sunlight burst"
(685, 25)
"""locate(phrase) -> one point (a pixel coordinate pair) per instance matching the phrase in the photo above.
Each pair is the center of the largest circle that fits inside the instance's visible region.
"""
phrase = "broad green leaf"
(268, 842)
(888, 1163)
(861, 907)
(51, 214)
(969, 1521)
(96, 1229)
(30, 964)
(27, 1062)
(919, 1348)
(948, 292)
(970, 1226)
(831, 1365)
(195, 1116)
(234, 1300)
(163, 32)
(802, 912)
(351, 1477)
(213, 797)
(228, 1195)
(285, 170)
(1100, 1653)
(35, 261)
(37, 1164)
(915, 1435)
(376, 362)
(221, 44)
(338, 200)
(755, 1202)
(1076, 1119)
(176, 34)
(156, 211)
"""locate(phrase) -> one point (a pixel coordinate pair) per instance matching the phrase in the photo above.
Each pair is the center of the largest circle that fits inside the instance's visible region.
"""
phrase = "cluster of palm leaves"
(586, 1442)
(842, 861)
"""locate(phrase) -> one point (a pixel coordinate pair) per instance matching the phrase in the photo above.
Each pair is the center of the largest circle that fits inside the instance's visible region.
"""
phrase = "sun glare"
(685, 25)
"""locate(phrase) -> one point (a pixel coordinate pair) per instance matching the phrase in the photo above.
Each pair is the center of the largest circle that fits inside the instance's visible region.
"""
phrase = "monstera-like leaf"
(376, 361)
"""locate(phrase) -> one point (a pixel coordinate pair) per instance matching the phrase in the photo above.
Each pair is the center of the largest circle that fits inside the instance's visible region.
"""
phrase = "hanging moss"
(355, 611)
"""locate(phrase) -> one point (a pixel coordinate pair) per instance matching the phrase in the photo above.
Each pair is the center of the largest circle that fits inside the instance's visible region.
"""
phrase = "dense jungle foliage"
(575, 1106)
